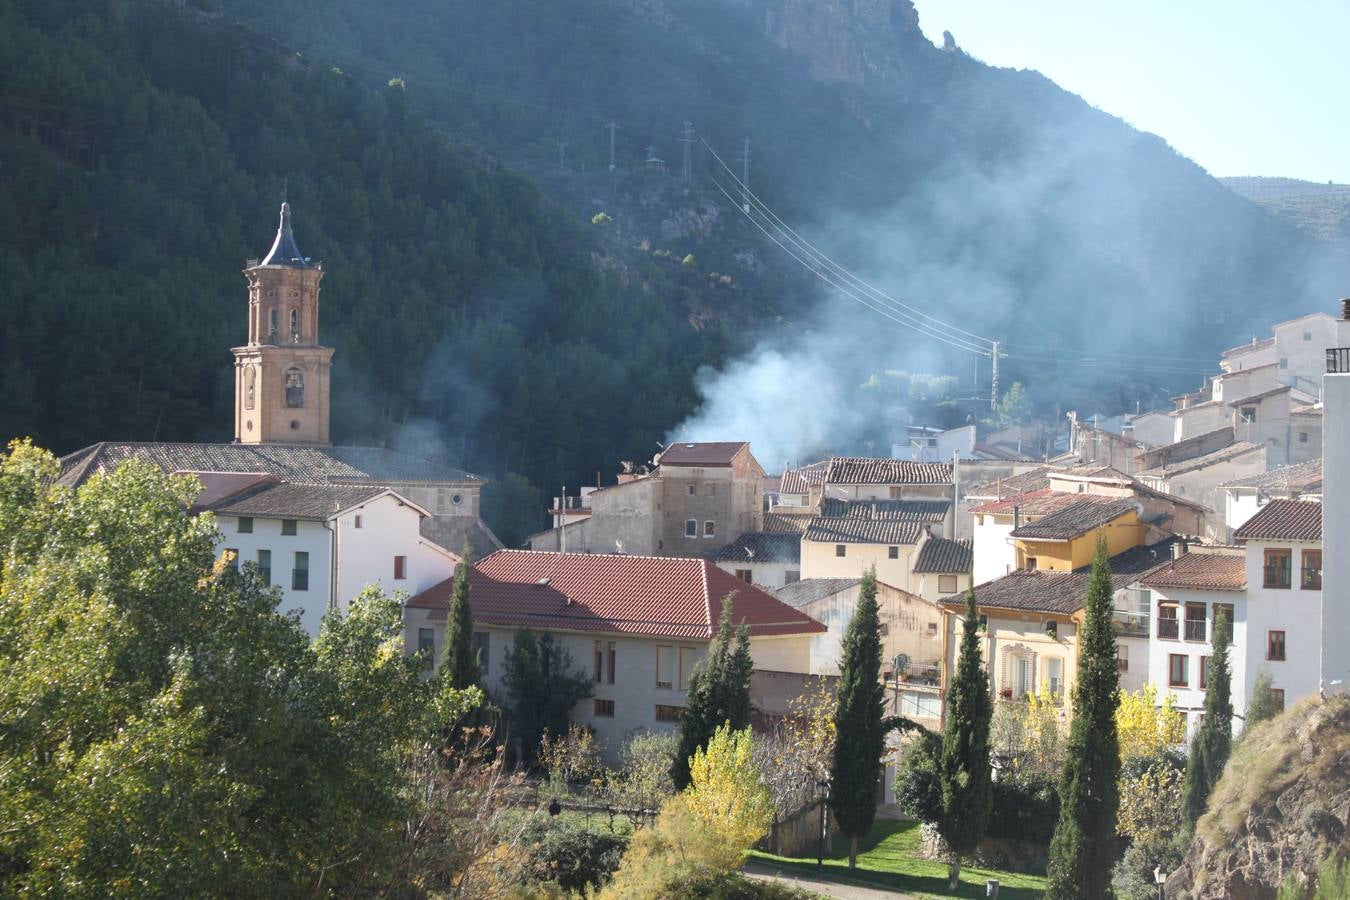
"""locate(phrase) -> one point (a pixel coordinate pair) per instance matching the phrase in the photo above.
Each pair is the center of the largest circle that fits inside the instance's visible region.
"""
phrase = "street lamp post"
(822, 792)
(1160, 878)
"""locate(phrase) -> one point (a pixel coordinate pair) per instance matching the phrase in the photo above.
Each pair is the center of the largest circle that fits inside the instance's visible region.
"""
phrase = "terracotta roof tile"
(1076, 519)
(313, 502)
(801, 479)
(657, 596)
(944, 556)
(1283, 520)
(867, 470)
(1221, 571)
(1231, 452)
(1298, 478)
(931, 511)
(827, 530)
(1033, 503)
(809, 590)
(705, 453)
(786, 522)
(1035, 480)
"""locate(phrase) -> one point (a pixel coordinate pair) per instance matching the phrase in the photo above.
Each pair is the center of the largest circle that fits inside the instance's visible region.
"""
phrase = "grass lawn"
(889, 858)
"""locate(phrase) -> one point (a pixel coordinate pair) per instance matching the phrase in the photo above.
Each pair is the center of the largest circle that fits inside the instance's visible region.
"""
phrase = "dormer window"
(295, 388)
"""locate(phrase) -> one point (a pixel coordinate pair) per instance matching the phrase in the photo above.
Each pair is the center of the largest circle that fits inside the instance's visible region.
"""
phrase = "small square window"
(1307, 335)
(932, 629)
(288, 526)
(892, 552)
(1284, 362)
(884, 629)
(245, 525)
(840, 550)
(709, 528)
(693, 490)
(1303, 437)
(400, 568)
(745, 575)
(1247, 415)
(947, 584)
(604, 708)
(691, 528)
(668, 713)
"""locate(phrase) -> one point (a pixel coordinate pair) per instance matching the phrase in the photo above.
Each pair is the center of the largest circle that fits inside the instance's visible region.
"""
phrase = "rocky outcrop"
(853, 41)
(1282, 807)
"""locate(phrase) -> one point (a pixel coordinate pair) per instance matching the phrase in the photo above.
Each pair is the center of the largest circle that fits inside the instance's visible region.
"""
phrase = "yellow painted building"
(1067, 539)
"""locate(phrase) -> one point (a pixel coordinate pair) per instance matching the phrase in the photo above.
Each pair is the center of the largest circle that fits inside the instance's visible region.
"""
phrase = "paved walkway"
(841, 889)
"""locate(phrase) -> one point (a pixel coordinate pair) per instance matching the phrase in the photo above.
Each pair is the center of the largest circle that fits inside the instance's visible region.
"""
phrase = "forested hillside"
(143, 156)
(1319, 210)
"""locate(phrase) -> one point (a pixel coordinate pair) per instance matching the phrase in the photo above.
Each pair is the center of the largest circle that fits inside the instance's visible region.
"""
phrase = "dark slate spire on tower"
(284, 252)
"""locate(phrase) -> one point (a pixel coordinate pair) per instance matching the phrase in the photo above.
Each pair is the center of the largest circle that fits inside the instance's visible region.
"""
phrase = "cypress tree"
(1262, 705)
(1082, 851)
(719, 693)
(963, 768)
(460, 664)
(860, 737)
(1214, 739)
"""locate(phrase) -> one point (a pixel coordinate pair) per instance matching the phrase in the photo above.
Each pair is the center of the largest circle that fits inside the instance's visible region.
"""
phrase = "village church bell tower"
(281, 377)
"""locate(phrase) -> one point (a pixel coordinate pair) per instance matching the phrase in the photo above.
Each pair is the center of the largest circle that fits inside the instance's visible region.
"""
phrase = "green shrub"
(736, 887)
(1132, 878)
(571, 855)
(1333, 883)
(918, 789)
(1025, 807)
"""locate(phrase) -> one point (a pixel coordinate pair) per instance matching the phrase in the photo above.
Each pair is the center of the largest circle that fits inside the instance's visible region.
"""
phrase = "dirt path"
(841, 889)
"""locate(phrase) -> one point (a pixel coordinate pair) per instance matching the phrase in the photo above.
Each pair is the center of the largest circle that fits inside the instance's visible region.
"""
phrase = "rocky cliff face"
(854, 41)
(1282, 807)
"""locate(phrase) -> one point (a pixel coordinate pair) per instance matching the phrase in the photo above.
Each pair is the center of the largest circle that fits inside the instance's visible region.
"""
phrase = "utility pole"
(612, 126)
(562, 154)
(687, 138)
(993, 392)
(745, 176)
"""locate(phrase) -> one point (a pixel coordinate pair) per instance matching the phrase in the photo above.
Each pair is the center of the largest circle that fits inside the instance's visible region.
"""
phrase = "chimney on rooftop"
(1179, 548)
(1345, 309)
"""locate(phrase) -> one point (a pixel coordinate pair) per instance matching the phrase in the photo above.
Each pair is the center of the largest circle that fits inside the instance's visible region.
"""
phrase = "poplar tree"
(860, 735)
(1082, 851)
(460, 663)
(1214, 739)
(963, 768)
(719, 694)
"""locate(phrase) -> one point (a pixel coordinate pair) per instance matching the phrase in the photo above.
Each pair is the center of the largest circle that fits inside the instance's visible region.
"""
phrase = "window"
(668, 713)
(250, 386)
(1122, 657)
(300, 574)
(480, 643)
(932, 629)
(693, 490)
(426, 641)
(1278, 695)
(1204, 671)
(604, 661)
(1177, 675)
(295, 388)
(1227, 610)
(246, 526)
(947, 584)
(709, 528)
(400, 568)
(288, 527)
(1168, 626)
(604, 708)
(272, 323)
(840, 550)
(265, 566)
(1275, 645)
(665, 667)
(744, 575)
(1303, 437)
(883, 629)
(1052, 629)
(892, 552)
(1284, 362)
(984, 623)
(1311, 579)
(688, 659)
(1247, 415)
(1195, 621)
(1031, 563)
(1307, 335)
(356, 523)
(1278, 564)
(1054, 676)
(711, 490)
(295, 326)
(691, 528)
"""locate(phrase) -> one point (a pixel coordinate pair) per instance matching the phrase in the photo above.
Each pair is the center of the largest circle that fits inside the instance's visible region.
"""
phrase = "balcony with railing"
(1129, 623)
(1338, 360)
(1195, 629)
(1169, 629)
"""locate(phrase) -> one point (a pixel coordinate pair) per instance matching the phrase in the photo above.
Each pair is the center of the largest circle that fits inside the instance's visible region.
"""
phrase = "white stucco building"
(1335, 618)
(323, 544)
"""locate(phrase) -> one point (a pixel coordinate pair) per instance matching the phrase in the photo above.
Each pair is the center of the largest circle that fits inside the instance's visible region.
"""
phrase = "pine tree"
(1082, 851)
(460, 664)
(1214, 739)
(964, 771)
(860, 736)
(719, 693)
(1262, 706)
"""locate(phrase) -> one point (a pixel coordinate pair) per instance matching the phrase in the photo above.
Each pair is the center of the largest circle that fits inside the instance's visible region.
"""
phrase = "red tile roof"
(656, 596)
(801, 479)
(1088, 514)
(1283, 520)
(706, 453)
(1035, 503)
(1220, 571)
(792, 523)
(945, 556)
(866, 470)
(1035, 480)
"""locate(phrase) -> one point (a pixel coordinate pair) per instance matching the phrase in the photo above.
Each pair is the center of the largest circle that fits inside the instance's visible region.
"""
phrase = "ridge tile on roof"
(1283, 520)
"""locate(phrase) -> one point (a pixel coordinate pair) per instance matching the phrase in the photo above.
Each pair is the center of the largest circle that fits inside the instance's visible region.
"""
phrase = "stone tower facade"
(281, 377)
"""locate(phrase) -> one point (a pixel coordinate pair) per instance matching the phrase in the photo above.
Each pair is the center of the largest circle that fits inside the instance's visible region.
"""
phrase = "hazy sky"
(1241, 87)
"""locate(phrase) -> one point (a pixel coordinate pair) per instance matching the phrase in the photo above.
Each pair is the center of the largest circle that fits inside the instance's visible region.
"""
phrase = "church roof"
(284, 252)
(294, 463)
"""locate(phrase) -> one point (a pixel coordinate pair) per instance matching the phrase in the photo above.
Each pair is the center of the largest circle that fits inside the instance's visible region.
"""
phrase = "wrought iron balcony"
(1338, 360)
